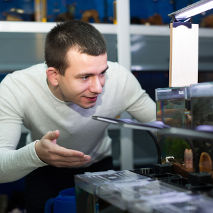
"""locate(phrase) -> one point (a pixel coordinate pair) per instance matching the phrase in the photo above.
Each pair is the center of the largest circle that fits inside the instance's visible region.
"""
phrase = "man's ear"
(52, 76)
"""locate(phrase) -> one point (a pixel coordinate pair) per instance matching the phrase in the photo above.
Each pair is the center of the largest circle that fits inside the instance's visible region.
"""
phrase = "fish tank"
(173, 106)
(201, 98)
(187, 108)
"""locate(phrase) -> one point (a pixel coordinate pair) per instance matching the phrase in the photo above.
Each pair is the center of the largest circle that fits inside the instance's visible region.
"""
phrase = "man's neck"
(55, 91)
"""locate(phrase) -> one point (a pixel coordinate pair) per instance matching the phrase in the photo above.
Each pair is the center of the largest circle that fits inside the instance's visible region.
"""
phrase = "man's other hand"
(51, 153)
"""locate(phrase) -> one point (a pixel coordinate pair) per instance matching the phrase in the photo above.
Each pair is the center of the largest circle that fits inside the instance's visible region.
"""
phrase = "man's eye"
(103, 73)
(84, 77)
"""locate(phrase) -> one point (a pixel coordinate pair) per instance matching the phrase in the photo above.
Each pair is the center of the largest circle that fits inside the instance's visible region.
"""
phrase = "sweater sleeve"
(14, 164)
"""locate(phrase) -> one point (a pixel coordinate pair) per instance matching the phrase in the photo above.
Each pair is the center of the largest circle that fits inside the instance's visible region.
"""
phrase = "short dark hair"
(72, 34)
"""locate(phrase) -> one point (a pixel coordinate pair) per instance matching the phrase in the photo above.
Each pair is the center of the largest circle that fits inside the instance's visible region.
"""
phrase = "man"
(57, 107)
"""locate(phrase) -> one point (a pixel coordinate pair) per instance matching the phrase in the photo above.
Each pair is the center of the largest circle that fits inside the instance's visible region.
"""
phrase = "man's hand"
(51, 153)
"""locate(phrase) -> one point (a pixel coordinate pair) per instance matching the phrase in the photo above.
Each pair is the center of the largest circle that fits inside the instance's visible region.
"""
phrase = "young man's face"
(84, 78)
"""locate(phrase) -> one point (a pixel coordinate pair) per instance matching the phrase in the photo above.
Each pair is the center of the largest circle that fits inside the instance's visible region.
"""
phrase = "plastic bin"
(65, 202)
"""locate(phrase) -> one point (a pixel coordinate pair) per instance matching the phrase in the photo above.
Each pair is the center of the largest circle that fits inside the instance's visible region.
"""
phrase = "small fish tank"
(187, 108)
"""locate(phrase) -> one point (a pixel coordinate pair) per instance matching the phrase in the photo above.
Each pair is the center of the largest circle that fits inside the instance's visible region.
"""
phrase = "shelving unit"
(149, 45)
(44, 27)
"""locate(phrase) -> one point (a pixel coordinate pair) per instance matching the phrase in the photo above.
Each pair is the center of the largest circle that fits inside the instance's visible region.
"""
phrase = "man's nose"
(96, 85)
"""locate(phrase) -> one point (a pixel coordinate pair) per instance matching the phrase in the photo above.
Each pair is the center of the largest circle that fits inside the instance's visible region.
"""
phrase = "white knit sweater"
(26, 99)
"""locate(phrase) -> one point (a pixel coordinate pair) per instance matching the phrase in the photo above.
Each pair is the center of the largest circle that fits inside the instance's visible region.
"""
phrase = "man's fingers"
(56, 155)
(85, 158)
(70, 164)
(52, 135)
(72, 160)
(64, 152)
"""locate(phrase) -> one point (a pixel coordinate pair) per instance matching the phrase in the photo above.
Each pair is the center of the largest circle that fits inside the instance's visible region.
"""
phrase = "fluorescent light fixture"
(192, 10)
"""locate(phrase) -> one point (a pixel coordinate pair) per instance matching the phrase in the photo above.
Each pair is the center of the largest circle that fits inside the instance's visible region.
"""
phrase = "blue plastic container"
(65, 202)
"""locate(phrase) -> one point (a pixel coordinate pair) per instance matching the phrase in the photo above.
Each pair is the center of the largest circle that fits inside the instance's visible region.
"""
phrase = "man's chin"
(87, 106)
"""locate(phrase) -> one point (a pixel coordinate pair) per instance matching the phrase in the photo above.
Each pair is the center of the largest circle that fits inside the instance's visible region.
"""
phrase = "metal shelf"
(44, 27)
